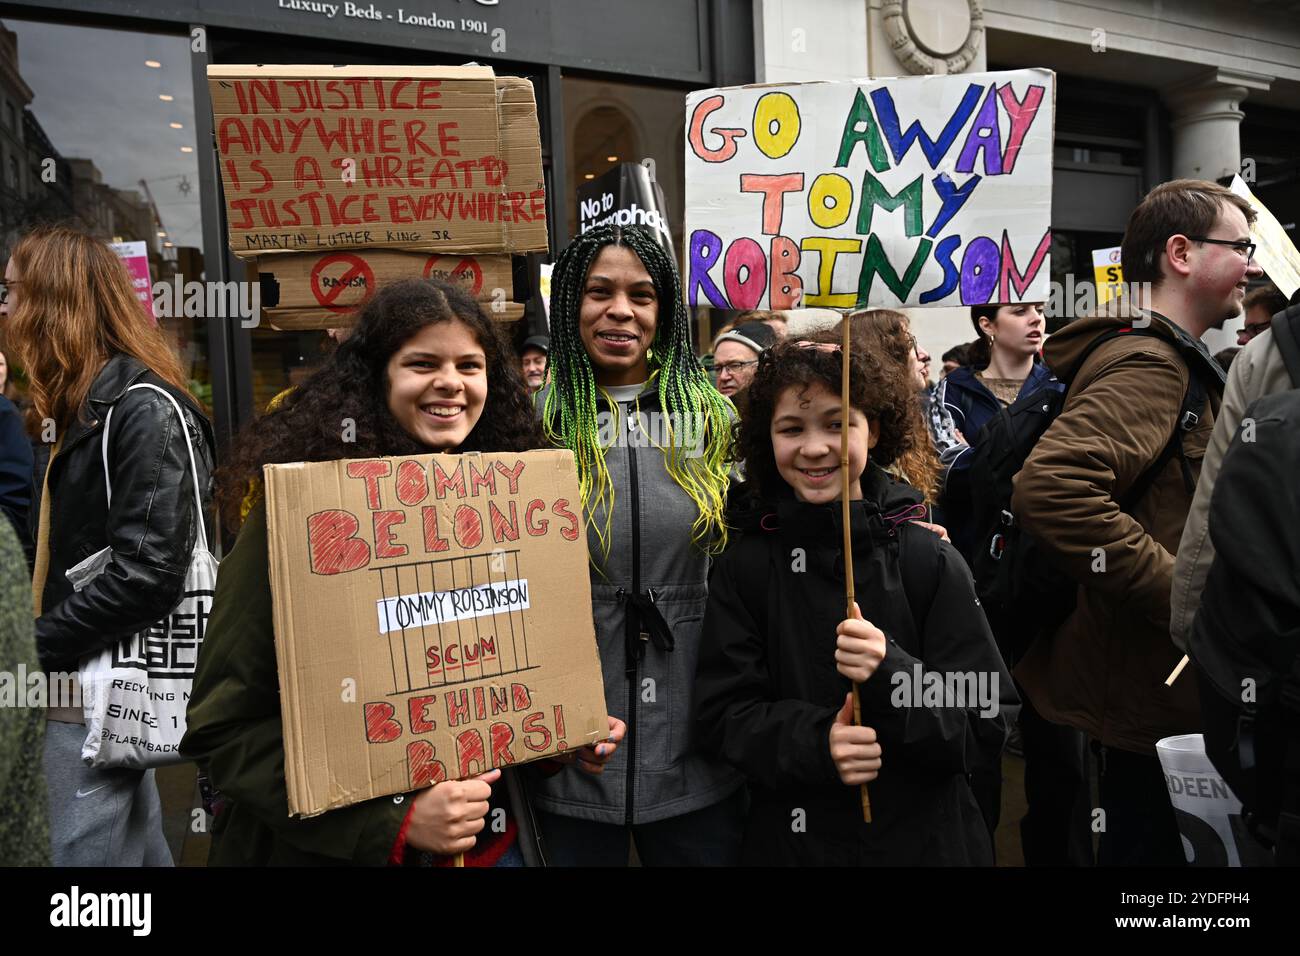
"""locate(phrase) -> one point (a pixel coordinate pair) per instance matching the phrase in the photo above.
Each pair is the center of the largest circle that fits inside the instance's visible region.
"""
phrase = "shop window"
(1269, 161)
(603, 137)
(632, 122)
(282, 359)
(114, 109)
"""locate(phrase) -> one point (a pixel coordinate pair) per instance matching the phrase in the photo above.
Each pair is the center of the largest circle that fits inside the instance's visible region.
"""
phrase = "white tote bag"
(135, 692)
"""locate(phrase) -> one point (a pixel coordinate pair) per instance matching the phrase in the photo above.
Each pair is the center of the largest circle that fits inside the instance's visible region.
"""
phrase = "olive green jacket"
(234, 731)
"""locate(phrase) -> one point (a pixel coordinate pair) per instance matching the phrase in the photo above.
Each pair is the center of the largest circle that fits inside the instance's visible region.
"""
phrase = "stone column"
(1207, 122)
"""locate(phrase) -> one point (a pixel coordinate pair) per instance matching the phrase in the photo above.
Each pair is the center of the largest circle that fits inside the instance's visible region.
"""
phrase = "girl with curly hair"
(889, 333)
(649, 433)
(425, 371)
(773, 690)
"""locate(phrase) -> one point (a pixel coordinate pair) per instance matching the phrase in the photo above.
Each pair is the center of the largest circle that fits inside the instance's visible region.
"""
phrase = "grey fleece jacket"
(656, 773)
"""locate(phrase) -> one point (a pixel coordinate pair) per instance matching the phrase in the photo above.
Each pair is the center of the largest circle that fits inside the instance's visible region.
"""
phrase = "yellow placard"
(1107, 273)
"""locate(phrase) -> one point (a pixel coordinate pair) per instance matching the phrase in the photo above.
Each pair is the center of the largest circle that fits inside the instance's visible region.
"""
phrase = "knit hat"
(753, 335)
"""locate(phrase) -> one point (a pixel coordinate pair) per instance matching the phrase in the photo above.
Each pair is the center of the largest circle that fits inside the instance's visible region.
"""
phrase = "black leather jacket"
(151, 525)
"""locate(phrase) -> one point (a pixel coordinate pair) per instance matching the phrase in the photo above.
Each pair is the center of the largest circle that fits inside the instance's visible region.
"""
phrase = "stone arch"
(918, 59)
(605, 128)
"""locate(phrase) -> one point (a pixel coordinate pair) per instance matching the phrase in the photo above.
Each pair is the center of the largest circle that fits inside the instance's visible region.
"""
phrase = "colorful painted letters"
(919, 191)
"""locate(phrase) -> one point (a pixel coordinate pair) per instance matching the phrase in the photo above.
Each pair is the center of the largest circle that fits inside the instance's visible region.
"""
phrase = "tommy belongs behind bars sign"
(432, 620)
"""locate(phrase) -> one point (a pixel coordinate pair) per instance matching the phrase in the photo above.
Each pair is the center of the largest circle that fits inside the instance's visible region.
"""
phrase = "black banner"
(625, 196)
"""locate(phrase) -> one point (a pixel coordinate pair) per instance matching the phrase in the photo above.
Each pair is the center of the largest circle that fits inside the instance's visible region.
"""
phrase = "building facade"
(1147, 91)
(105, 118)
(115, 101)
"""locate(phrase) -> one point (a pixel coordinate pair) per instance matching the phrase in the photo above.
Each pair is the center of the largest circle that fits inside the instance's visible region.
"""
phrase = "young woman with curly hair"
(772, 694)
(649, 433)
(889, 333)
(425, 371)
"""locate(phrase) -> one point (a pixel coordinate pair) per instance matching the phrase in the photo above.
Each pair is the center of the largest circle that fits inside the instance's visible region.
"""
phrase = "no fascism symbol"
(467, 270)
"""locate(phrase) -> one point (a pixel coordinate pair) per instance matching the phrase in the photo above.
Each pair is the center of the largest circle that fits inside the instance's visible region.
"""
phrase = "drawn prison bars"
(442, 621)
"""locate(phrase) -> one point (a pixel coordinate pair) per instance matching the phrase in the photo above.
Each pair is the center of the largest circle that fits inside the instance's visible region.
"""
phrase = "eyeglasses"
(4, 289)
(731, 368)
(1239, 244)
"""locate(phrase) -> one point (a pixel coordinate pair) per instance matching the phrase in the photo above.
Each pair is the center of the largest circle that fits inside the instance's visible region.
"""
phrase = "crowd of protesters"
(717, 571)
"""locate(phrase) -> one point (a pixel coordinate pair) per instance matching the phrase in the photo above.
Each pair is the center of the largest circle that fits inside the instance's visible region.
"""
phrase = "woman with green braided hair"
(650, 435)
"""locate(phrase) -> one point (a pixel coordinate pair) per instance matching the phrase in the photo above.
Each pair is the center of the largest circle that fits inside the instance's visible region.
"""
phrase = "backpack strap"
(189, 447)
(1189, 416)
(1286, 333)
(920, 580)
(1288, 823)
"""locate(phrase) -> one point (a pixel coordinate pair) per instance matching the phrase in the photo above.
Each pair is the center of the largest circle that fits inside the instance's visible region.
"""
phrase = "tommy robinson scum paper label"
(432, 620)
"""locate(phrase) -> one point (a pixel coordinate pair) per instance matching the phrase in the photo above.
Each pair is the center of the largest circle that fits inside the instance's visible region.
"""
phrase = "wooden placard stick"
(848, 530)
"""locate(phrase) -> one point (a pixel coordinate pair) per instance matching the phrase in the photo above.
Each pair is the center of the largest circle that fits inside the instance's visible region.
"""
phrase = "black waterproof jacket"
(767, 689)
(15, 473)
(151, 526)
(969, 406)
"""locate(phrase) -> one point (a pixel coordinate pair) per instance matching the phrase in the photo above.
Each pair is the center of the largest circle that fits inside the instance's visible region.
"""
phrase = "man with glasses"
(920, 365)
(735, 356)
(5, 292)
(1107, 490)
(1260, 307)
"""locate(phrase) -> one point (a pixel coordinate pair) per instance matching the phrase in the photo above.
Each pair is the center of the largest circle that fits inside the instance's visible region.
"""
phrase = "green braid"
(686, 395)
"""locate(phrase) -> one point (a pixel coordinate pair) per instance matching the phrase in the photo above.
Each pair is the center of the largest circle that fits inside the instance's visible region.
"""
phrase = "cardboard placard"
(893, 192)
(544, 290)
(318, 158)
(135, 256)
(432, 620)
(1108, 273)
(324, 290)
(1276, 253)
(1204, 805)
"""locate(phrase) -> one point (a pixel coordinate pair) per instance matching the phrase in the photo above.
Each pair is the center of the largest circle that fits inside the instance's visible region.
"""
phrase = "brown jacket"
(1258, 370)
(1104, 670)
